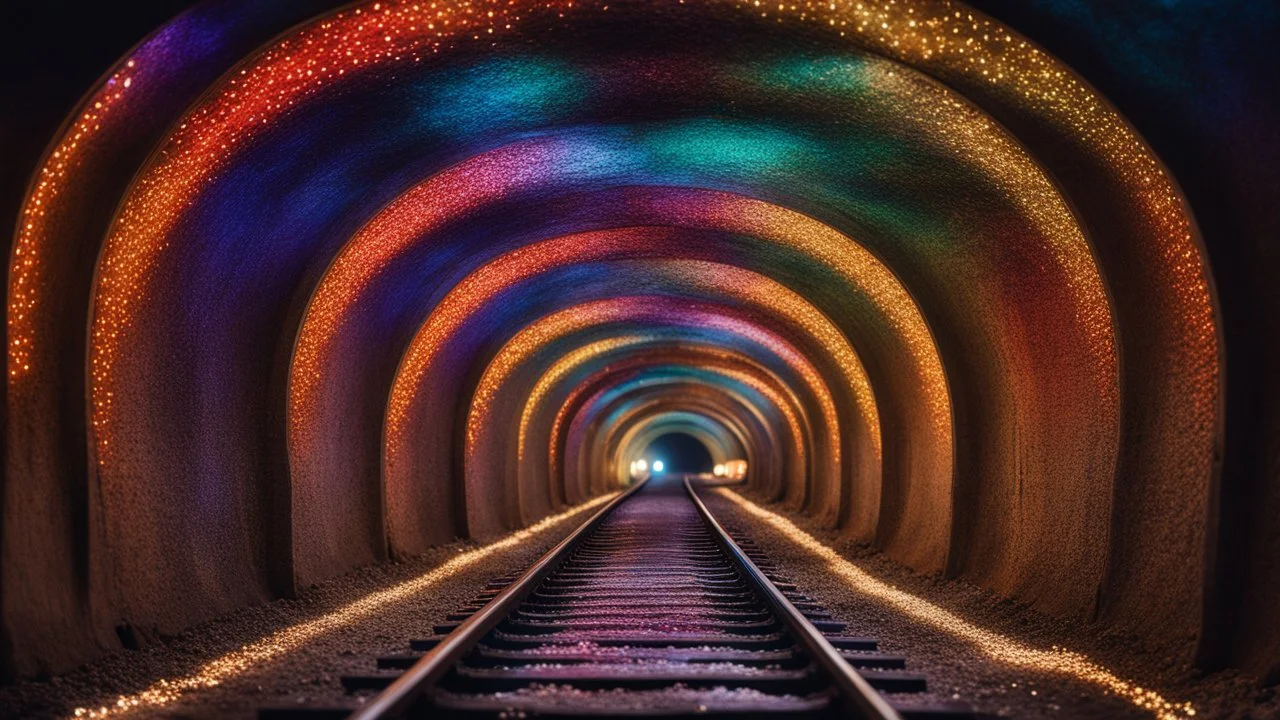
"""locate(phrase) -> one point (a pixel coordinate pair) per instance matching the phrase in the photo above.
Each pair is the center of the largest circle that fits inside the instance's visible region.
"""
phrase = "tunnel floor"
(309, 674)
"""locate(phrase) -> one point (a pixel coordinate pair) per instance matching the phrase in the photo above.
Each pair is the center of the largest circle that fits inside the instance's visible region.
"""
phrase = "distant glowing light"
(639, 468)
(219, 670)
(735, 469)
(718, 470)
(659, 466)
(992, 644)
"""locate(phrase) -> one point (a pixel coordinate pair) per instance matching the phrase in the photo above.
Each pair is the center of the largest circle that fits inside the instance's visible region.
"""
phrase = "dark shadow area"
(55, 74)
(679, 453)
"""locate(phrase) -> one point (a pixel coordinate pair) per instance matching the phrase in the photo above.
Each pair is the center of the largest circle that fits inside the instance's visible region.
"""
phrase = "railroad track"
(648, 608)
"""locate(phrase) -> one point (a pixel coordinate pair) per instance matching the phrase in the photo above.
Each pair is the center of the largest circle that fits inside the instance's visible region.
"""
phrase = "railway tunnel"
(299, 288)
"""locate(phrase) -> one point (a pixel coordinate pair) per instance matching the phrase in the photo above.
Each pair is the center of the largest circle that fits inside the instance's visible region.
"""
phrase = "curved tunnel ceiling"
(412, 271)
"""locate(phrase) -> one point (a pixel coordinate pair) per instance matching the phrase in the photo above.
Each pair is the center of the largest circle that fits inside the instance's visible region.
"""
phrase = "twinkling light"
(846, 257)
(953, 41)
(990, 643)
(943, 39)
(302, 63)
(750, 288)
(425, 207)
(477, 453)
(479, 472)
(736, 284)
(41, 208)
(238, 662)
(376, 34)
(536, 163)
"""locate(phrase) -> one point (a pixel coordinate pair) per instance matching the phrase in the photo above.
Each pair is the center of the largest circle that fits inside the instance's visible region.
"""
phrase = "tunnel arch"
(421, 363)
(587, 400)
(579, 319)
(575, 399)
(735, 403)
(641, 424)
(1167, 358)
(996, 395)
(928, 430)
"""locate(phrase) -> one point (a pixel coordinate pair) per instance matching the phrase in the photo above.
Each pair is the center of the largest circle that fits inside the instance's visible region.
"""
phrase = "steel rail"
(858, 697)
(418, 682)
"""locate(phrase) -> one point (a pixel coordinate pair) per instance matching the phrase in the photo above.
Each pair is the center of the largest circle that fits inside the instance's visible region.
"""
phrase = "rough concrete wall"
(58, 607)
(335, 459)
(1211, 115)
(1053, 264)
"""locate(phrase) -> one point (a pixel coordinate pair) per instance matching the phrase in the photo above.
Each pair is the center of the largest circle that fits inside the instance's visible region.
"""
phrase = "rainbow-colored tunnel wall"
(408, 272)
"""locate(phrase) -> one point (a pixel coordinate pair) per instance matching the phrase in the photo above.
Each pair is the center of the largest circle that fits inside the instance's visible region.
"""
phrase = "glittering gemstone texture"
(408, 271)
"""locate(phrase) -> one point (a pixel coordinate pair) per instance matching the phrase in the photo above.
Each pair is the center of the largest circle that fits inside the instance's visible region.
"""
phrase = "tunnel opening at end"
(678, 452)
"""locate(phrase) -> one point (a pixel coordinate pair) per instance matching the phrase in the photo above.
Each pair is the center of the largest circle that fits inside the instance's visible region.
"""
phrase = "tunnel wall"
(807, 328)
(586, 402)
(59, 603)
(490, 457)
(1028, 308)
(1221, 142)
(541, 446)
(798, 406)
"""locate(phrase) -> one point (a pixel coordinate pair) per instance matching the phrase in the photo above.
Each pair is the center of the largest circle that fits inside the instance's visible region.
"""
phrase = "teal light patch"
(840, 75)
(501, 95)
(854, 174)
(723, 148)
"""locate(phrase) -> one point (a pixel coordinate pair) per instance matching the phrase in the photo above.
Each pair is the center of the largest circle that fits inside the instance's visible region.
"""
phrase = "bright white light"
(641, 465)
(718, 471)
(658, 465)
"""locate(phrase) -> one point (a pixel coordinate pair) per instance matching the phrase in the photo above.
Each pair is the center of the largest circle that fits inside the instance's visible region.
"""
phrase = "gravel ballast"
(958, 670)
(311, 673)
